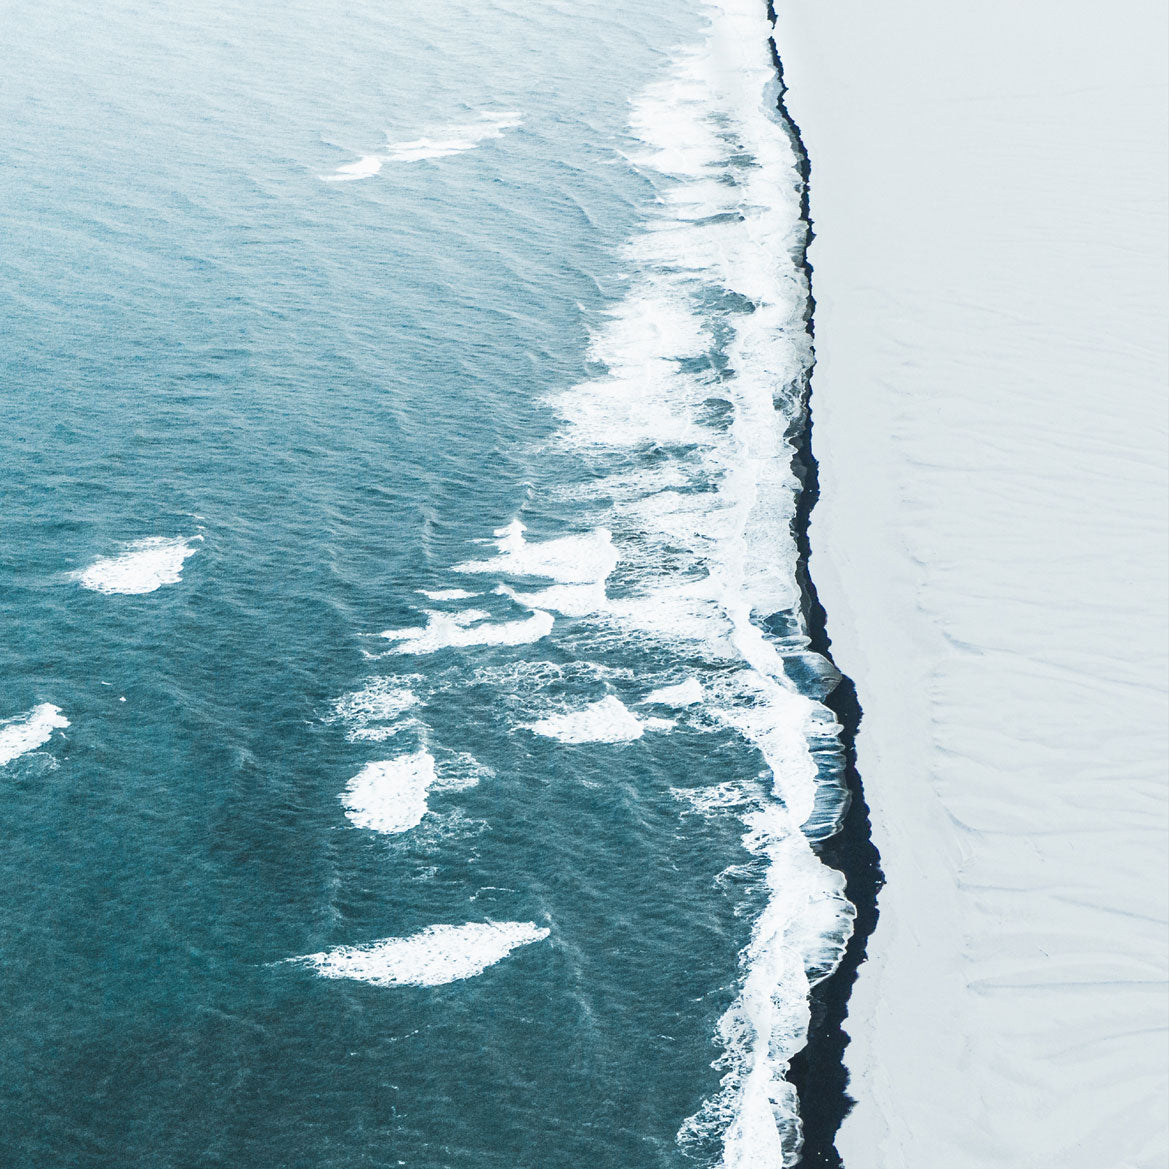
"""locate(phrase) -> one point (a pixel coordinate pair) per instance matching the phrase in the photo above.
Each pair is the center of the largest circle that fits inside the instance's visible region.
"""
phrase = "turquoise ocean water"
(409, 752)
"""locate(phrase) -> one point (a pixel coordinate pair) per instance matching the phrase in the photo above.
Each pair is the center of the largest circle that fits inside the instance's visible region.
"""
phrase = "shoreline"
(989, 545)
(818, 1070)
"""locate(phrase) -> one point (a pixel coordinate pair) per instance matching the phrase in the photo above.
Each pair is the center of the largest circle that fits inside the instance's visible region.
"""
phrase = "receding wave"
(437, 955)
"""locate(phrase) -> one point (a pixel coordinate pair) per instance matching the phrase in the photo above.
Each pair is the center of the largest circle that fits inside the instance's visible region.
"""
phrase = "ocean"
(411, 748)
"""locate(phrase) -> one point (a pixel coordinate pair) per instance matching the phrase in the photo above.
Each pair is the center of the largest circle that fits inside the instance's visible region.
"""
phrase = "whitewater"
(416, 745)
(686, 447)
(725, 392)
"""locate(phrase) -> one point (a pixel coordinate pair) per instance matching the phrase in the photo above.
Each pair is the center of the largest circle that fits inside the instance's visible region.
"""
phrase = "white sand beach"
(989, 403)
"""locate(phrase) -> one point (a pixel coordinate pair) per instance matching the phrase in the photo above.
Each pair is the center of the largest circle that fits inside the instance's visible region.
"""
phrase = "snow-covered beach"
(987, 192)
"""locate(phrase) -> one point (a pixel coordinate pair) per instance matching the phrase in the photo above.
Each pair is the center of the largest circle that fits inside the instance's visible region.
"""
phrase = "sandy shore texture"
(988, 195)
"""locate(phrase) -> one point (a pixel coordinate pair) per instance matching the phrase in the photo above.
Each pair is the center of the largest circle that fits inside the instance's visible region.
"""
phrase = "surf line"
(818, 1071)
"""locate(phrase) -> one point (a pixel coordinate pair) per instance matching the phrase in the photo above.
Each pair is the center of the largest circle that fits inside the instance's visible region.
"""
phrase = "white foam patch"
(447, 594)
(687, 693)
(380, 699)
(390, 795)
(685, 610)
(29, 731)
(607, 721)
(716, 800)
(570, 600)
(144, 566)
(444, 630)
(580, 564)
(363, 168)
(576, 560)
(466, 617)
(370, 712)
(448, 140)
(434, 957)
(375, 734)
(645, 398)
(459, 770)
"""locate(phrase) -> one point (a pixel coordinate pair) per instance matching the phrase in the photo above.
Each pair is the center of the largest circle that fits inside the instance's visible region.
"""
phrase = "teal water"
(557, 297)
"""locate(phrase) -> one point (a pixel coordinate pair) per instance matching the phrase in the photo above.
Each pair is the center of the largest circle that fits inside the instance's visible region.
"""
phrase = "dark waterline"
(818, 1071)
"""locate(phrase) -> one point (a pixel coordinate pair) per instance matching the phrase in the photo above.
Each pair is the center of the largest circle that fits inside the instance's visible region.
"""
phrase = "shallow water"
(401, 553)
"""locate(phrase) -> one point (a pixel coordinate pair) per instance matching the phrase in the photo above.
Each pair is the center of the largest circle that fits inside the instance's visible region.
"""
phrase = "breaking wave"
(143, 567)
(27, 732)
(437, 955)
(682, 544)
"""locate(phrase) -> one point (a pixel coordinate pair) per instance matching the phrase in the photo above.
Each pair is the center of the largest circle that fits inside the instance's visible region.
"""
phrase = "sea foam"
(705, 361)
(370, 713)
(27, 732)
(446, 630)
(688, 693)
(447, 140)
(145, 565)
(579, 564)
(364, 168)
(433, 957)
(688, 433)
(607, 721)
(390, 795)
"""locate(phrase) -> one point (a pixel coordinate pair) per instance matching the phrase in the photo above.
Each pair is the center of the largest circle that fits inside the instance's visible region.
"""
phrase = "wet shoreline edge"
(818, 1071)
